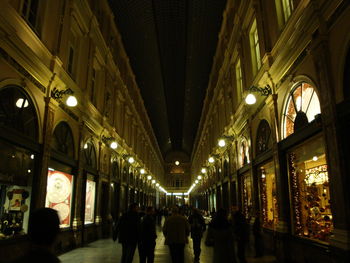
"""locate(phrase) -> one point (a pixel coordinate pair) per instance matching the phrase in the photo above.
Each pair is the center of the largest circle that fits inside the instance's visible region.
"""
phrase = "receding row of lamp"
(250, 99)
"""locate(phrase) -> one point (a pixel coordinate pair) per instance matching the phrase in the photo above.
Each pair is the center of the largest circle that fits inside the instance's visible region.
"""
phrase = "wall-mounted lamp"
(110, 141)
(211, 159)
(153, 181)
(131, 159)
(149, 177)
(265, 91)
(177, 163)
(199, 177)
(203, 170)
(222, 140)
(71, 100)
(142, 171)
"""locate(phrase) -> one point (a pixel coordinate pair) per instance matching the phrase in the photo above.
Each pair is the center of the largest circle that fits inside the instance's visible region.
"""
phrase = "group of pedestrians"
(228, 237)
(133, 231)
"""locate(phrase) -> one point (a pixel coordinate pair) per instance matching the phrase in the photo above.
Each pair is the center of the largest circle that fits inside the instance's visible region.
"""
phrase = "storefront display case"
(90, 200)
(16, 176)
(247, 198)
(269, 206)
(59, 195)
(309, 188)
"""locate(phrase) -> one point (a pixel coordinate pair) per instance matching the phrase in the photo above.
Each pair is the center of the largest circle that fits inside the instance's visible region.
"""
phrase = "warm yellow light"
(222, 143)
(131, 160)
(199, 177)
(72, 101)
(250, 99)
(85, 146)
(22, 103)
(142, 171)
(153, 181)
(315, 158)
(149, 177)
(177, 162)
(203, 170)
(196, 181)
(157, 184)
(211, 159)
(114, 145)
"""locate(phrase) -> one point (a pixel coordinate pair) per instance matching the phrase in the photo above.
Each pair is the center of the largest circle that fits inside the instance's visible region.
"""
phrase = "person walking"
(221, 236)
(242, 233)
(129, 233)
(197, 224)
(148, 236)
(176, 230)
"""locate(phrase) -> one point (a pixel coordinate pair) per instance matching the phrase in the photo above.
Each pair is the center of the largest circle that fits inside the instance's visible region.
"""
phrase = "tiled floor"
(107, 251)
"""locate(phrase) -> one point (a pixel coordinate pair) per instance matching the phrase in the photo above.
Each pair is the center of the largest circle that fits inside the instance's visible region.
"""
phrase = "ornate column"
(40, 183)
(78, 193)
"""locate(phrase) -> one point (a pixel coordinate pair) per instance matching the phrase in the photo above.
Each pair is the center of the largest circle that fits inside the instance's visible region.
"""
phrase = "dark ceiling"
(171, 44)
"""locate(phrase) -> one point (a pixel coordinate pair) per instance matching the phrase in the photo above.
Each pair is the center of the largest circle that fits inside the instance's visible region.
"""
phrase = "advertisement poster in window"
(90, 201)
(59, 195)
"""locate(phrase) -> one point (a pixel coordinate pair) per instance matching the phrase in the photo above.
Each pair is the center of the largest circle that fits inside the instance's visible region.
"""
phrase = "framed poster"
(90, 201)
(59, 195)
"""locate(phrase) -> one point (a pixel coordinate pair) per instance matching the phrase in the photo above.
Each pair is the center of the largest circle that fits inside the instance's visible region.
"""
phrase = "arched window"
(244, 152)
(115, 169)
(62, 140)
(263, 137)
(17, 112)
(90, 154)
(301, 108)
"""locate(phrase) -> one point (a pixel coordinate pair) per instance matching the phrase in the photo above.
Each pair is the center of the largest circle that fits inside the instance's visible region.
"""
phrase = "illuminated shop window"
(90, 200)
(247, 198)
(18, 119)
(309, 184)
(16, 176)
(59, 195)
(244, 157)
(301, 108)
(268, 195)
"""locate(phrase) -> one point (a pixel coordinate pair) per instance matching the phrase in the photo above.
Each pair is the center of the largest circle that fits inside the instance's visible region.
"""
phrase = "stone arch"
(62, 139)
(18, 112)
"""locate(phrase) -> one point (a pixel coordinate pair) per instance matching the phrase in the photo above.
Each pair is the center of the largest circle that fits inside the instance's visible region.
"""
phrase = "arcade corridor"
(239, 106)
(107, 251)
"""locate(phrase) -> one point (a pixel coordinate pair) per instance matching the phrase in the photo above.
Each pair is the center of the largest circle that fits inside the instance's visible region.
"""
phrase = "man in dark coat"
(197, 223)
(148, 237)
(129, 233)
(176, 230)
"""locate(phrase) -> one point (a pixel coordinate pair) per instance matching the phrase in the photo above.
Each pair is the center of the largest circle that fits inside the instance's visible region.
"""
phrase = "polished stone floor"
(107, 251)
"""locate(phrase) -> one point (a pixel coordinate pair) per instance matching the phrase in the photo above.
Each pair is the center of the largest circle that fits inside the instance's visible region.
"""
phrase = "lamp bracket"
(58, 94)
(265, 91)
(106, 139)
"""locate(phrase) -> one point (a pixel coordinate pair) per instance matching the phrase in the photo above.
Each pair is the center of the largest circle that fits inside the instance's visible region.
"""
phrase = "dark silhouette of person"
(197, 224)
(44, 226)
(148, 236)
(258, 243)
(241, 231)
(221, 234)
(129, 232)
(176, 230)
